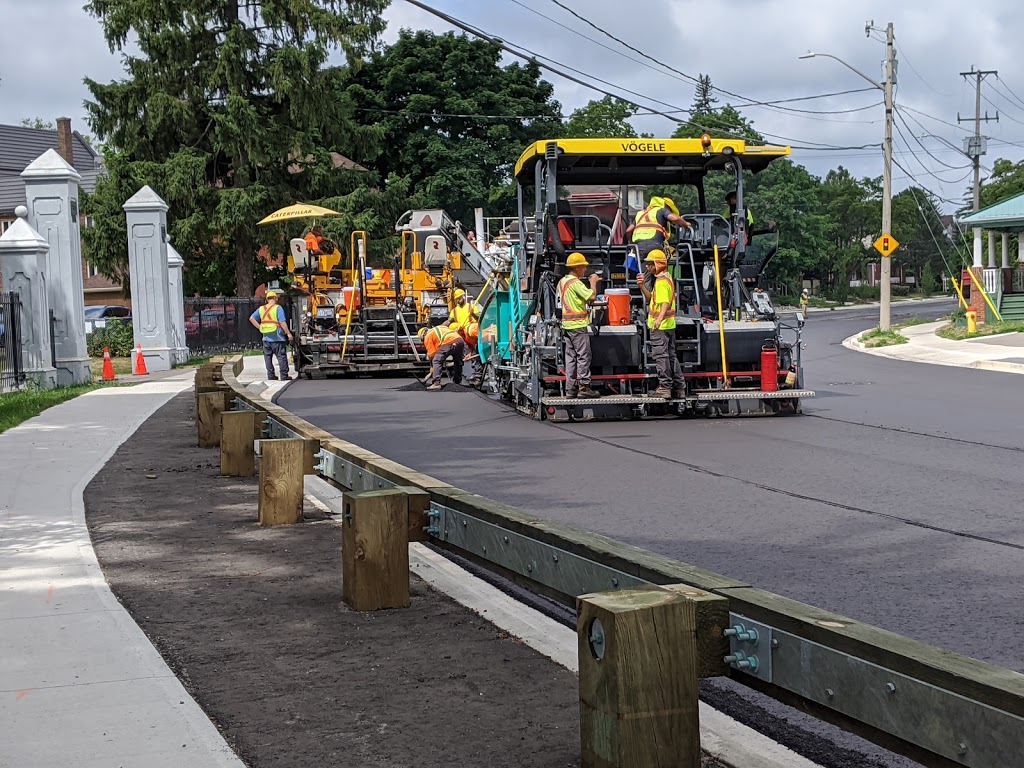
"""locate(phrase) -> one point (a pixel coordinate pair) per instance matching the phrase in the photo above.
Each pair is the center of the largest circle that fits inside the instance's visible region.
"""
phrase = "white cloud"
(747, 46)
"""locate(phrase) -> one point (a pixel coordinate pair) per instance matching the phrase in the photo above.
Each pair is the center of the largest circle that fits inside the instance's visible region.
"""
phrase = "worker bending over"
(652, 226)
(467, 313)
(661, 321)
(576, 297)
(441, 343)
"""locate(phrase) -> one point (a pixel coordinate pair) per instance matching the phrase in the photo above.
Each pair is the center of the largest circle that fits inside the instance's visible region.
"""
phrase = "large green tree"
(229, 109)
(720, 122)
(606, 118)
(454, 120)
(852, 211)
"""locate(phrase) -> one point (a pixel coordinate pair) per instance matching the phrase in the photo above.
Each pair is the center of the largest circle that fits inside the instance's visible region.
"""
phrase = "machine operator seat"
(300, 254)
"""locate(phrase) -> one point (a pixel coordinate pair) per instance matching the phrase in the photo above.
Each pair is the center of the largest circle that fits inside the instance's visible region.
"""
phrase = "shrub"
(120, 337)
(901, 290)
(865, 293)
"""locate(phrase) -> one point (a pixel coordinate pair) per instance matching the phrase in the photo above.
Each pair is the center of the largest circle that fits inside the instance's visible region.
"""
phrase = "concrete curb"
(870, 305)
(906, 353)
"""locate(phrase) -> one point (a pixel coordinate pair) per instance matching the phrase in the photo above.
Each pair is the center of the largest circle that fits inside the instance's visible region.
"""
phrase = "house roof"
(19, 146)
(1006, 215)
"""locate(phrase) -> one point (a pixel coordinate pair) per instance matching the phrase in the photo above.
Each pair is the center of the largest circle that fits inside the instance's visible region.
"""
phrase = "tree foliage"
(606, 118)
(453, 119)
(229, 110)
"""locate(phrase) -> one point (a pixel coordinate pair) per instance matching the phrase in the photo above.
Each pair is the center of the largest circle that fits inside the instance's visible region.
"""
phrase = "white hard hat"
(805, 290)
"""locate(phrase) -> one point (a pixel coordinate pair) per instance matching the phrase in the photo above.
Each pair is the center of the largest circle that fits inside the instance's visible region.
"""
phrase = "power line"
(749, 102)
(914, 154)
(920, 77)
(1007, 87)
(900, 117)
(532, 56)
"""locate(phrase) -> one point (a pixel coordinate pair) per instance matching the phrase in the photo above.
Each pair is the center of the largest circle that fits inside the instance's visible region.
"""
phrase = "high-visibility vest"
(435, 338)
(574, 309)
(670, 319)
(727, 215)
(464, 313)
(647, 226)
(268, 325)
(470, 332)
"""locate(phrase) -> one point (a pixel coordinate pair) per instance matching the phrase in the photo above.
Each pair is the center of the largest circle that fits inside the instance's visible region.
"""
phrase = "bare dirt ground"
(252, 622)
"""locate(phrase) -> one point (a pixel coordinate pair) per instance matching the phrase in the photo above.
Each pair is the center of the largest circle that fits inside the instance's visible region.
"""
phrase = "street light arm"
(875, 83)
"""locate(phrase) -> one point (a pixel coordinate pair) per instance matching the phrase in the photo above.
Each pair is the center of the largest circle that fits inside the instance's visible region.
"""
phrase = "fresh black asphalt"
(895, 499)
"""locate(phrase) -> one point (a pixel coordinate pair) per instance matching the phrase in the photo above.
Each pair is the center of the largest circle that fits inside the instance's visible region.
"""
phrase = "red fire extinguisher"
(769, 368)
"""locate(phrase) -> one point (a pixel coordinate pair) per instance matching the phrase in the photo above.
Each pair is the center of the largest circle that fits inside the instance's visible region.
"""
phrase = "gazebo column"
(1006, 250)
(977, 247)
(991, 249)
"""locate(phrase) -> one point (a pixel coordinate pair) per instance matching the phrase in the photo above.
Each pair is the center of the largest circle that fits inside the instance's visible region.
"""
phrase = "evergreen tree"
(229, 110)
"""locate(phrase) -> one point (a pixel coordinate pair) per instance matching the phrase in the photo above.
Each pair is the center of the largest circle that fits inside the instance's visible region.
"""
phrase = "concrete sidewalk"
(923, 346)
(80, 684)
(870, 304)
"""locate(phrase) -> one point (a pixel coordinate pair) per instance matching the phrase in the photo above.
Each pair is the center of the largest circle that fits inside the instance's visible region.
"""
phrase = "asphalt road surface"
(895, 499)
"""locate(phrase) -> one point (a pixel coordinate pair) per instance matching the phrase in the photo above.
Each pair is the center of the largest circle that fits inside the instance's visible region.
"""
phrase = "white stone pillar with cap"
(51, 189)
(176, 287)
(150, 281)
(23, 267)
(1005, 249)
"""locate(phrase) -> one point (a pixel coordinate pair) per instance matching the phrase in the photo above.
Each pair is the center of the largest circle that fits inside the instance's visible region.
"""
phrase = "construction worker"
(575, 296)
(464, 311)
(272, 323)
(652, 226)
(805, 300)
(315, 240)
(470, 334)
(729, 212)
(442, 342)
(661, 321)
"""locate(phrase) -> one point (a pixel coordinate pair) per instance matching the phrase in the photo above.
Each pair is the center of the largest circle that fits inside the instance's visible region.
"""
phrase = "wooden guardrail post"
(239, 431)
(281, 489)
(375, 550)
(209, 407)
(639, 670)
(310, 448)
(418, 505)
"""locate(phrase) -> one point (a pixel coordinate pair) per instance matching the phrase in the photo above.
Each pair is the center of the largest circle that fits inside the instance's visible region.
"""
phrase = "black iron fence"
(12, 370)
(221, 325)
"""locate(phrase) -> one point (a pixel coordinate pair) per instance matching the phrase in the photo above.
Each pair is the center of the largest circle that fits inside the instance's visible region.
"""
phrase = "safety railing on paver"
(934, 706)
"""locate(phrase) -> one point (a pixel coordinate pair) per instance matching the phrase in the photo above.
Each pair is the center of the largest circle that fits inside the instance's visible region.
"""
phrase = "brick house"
(19, 146)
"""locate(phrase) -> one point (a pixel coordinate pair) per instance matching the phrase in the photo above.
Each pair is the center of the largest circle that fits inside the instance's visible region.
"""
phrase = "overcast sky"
(749, 47)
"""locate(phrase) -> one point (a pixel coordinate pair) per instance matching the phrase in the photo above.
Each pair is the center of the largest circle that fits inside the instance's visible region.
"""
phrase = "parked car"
(212, 319)
(96, 316)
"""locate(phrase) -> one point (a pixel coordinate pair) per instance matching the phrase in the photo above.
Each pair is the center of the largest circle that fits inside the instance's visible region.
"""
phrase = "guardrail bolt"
(961, 748)
(829, 692)
(464, 523)
(555, 558)
(775, 643)
(615, 582)
(505, 538)
(890, 688)
(740, 660)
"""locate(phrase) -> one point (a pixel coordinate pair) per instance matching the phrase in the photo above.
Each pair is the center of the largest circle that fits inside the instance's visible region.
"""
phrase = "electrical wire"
(557, 68)
(912, 153)
(899, 117)
(919, 75)
(748, 102)
(1010, 91)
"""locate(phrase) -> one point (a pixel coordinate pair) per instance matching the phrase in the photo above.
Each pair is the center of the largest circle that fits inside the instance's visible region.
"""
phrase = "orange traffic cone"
(108, 365)
(139, 369)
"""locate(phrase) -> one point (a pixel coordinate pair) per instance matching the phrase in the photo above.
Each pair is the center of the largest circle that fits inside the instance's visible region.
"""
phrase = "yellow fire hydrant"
(972, 321)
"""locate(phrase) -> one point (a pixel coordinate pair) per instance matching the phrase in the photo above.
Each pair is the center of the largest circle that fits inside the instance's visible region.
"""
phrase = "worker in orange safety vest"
(441, 343)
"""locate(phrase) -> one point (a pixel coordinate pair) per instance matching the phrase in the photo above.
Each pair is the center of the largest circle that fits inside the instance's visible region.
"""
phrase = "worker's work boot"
(678, 394)
(435, 387)
(586, 391)
(663, 392)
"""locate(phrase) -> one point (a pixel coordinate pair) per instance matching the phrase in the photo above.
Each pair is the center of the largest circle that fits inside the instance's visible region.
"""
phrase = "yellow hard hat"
(423, 331)
(577, 260)
(657, 255)
(671, 205)
(272, 294)
(454, 326)
(459, 293)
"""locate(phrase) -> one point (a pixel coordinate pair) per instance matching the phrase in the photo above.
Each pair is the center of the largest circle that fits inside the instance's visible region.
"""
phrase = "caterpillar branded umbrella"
(299, 211)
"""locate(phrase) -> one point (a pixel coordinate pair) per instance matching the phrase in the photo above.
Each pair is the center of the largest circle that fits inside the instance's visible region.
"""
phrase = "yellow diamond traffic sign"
(886, 244)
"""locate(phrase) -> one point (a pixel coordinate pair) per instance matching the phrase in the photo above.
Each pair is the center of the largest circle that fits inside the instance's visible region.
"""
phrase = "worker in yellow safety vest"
(272, 323)
(464, 310)
(575, 296)
(661, 324)
(729, 212)
(441, 343)
(653, 225)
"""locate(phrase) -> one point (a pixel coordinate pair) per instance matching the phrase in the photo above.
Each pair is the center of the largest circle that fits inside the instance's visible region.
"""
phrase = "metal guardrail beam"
(938, 707)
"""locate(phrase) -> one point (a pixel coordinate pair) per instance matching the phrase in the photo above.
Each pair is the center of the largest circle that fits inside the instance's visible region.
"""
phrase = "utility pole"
(975, 146)
(890, 72)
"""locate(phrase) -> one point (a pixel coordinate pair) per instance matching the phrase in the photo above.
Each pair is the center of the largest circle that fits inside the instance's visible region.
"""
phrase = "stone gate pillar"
(51, 188)
(23, 265)
(147, 261)
(176, 287)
